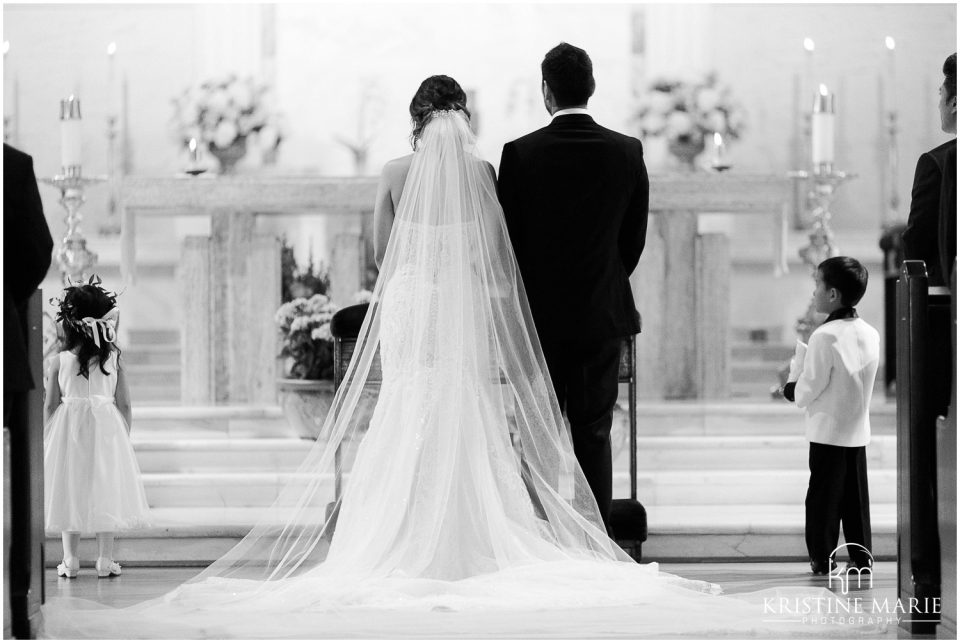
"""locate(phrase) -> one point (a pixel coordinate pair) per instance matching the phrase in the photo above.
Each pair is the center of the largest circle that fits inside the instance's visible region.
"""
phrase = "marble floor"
(142, 583)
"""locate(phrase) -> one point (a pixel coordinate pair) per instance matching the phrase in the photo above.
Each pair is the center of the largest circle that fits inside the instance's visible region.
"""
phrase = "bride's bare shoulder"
(396, 169)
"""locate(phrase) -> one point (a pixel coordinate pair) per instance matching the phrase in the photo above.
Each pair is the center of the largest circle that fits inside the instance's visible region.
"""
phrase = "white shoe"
(106, 567)
(65, 570)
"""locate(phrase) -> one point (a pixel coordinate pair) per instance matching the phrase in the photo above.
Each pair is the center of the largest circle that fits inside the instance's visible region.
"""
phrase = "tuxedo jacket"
(836, 384)
(575, 198)
(27, 252)
(921, 238)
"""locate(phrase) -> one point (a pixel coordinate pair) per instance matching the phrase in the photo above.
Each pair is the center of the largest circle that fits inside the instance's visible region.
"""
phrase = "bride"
(457, 508)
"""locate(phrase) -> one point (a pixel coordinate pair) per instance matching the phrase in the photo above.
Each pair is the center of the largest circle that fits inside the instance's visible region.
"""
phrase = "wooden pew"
(947, 489)
(921, 383)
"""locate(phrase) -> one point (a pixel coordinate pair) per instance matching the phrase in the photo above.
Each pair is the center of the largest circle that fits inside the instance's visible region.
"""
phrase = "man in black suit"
(27, 251)
(575, 197)
(921, 239)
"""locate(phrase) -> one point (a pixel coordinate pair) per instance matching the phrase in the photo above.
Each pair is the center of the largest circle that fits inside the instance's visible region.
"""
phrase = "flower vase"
(686, 151)
(305, 404)
(229, 156)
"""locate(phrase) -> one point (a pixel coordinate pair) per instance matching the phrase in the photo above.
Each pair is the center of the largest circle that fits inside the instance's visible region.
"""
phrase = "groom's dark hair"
(568, 72)
(950, 75)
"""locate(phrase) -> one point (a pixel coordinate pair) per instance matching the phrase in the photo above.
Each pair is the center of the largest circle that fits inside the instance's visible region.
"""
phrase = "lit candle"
(891, 93)
(194, 150)
(112, 98)
(824, 109)
(718, 149)
(70, 156)
(808, 46)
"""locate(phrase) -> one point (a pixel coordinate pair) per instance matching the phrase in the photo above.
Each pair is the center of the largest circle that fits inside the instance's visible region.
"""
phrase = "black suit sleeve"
(633, 230)
(507, 183)
(28, 244)
(947, 237)
(920, 235)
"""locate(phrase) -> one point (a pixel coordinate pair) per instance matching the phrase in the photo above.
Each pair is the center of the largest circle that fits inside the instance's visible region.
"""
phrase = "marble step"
(726, 418)
(159, 454)
(777, 353)
(141, 336)
(220, 455)
(159, 375)
(721, 487)
(199, 535)
(203, 422)
(154, 394)
(152, 354)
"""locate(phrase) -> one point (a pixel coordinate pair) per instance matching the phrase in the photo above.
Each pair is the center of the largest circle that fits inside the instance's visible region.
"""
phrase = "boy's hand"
(796, 362)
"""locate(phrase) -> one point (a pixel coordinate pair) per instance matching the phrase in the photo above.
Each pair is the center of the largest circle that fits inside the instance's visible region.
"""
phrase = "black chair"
(628, 517)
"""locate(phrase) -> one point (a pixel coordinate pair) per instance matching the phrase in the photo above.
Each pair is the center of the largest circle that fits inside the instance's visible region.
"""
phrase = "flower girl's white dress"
(92, 481)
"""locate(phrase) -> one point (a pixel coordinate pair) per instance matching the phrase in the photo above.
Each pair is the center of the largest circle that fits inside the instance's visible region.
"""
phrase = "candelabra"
(73, 257)
(824, 183)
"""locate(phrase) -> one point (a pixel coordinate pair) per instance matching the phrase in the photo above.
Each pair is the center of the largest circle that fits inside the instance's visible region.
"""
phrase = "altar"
(229, 280)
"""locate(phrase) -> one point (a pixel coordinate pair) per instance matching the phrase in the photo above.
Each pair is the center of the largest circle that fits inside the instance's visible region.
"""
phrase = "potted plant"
(685, 113)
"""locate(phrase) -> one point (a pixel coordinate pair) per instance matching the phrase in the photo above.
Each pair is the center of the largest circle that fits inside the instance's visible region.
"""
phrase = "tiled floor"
(142, 583)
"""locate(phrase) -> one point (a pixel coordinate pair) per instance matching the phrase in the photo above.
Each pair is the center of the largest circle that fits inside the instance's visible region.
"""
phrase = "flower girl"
(92, 481)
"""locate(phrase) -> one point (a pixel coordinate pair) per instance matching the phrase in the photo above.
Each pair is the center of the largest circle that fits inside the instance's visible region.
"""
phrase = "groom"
(574, 197)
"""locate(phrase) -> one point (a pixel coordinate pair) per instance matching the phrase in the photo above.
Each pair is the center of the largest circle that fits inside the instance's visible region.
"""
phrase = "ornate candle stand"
(824, 180)
(73, 256)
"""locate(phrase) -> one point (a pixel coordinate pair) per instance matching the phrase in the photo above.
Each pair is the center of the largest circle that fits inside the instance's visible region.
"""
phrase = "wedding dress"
(456, 509)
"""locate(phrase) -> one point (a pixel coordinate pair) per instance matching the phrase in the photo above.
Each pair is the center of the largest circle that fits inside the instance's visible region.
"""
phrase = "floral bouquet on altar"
(686, 112)
(223, 112)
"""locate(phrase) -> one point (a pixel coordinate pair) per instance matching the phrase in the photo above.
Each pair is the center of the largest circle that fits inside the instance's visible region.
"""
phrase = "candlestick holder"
(824, 180)
(73, 257)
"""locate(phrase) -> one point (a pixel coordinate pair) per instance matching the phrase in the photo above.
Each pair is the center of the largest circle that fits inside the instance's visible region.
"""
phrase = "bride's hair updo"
(434, 94)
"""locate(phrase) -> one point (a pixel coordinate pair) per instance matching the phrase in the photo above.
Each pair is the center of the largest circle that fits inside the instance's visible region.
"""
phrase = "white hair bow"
(107, 325)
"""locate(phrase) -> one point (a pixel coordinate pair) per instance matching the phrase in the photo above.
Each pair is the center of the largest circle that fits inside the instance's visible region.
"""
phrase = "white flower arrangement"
(222, 110)
(306, 340)
(686, 112)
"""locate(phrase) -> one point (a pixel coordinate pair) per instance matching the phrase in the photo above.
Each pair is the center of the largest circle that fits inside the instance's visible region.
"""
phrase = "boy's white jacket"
(836, 384)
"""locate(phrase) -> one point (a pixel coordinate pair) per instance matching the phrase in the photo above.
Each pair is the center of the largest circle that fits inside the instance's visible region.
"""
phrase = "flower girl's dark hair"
(80, 301)
(437, 93)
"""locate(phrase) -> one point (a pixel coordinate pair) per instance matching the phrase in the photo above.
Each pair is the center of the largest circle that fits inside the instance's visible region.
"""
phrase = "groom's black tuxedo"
(575, 197)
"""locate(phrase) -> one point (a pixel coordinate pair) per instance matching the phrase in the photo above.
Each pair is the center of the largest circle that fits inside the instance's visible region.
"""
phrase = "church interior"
(230, 158)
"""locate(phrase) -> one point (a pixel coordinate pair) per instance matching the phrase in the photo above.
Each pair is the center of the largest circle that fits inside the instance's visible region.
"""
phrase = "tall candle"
(808, 46)
(112, 95)
(7, 95)
(824, 111)
(891, 93)
(70, 133)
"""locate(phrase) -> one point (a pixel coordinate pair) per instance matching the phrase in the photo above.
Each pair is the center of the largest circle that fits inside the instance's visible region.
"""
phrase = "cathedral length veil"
(458, 507)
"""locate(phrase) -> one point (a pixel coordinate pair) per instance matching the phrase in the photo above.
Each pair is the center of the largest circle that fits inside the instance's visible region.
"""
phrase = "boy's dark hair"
(847, 275)
(569, 75)
(85, 300)
(950, 75)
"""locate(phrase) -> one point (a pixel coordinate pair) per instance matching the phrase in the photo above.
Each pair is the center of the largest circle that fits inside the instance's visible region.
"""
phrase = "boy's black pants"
(838, 494)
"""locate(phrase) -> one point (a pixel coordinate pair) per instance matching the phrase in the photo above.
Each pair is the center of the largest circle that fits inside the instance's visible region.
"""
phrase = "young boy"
(832, 379)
